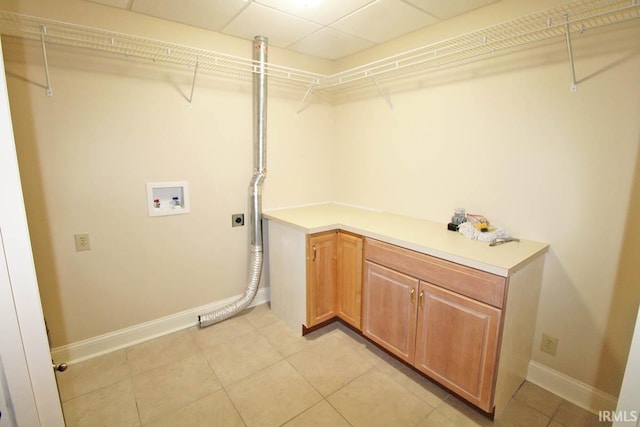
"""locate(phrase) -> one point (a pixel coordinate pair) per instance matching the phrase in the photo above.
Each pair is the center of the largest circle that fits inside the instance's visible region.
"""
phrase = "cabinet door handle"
(314, 253)
(421, 299)
(413, 296)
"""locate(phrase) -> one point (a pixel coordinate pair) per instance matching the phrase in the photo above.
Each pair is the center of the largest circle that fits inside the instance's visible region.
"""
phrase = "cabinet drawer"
(476, 284)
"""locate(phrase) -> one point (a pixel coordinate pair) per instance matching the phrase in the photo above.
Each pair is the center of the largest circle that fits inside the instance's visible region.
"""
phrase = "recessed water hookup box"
(168, 198)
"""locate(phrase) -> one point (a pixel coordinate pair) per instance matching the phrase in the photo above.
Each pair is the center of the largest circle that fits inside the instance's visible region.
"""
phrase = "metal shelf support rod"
(567, 30)
(43, 31)
(383, 93)
(304, 98)
(193, 83)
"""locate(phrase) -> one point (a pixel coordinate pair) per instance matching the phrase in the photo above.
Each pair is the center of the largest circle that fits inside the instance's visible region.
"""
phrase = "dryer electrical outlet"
(237, 220)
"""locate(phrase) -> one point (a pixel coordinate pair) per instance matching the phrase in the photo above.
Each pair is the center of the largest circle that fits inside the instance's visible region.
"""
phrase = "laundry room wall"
(114, 124)
(505, 137)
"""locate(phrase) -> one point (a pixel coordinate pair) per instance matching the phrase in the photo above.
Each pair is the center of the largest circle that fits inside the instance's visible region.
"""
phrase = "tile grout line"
(363, 352)
(283, 358)
(222, 386)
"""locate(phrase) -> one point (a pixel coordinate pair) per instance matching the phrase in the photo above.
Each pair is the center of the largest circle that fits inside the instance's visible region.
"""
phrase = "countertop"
(428, 237)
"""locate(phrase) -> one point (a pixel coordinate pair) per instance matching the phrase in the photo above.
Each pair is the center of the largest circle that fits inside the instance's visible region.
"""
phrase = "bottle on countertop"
(459, 216)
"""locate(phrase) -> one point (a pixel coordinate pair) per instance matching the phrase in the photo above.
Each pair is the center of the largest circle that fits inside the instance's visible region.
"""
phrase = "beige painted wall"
(114, 124)
(504, 138)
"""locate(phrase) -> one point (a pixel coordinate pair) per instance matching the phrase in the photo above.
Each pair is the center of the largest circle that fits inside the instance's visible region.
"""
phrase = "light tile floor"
(252, 370)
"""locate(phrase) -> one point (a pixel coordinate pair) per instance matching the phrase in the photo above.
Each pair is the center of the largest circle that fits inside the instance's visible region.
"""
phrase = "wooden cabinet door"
(389, 309)
(321, 278)
(349, 278)
(457, 343)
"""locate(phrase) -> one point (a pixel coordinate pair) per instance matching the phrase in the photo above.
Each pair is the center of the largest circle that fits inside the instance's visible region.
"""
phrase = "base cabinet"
(390, 310)
(349, 278)
(457, 343)
(334, 278)
(451, 337)
(467, 329)
(321, 278)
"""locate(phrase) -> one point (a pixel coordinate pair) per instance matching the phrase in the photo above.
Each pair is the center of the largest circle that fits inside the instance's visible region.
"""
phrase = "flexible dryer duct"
(255, 188)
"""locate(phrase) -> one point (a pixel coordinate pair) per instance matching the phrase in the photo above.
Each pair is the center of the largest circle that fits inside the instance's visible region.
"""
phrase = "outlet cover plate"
(549, 344)
(237, 220)
(82, 242)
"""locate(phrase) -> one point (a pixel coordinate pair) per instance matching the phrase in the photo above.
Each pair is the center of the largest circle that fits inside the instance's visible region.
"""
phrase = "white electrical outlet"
(549, 344)
(82, 242)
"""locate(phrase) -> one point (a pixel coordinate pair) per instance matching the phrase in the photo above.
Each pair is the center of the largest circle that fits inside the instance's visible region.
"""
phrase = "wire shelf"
(66, 34)
(573, 17)
(553, 23)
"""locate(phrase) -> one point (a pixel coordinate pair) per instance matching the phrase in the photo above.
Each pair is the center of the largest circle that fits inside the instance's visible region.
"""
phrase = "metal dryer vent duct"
(255, 188)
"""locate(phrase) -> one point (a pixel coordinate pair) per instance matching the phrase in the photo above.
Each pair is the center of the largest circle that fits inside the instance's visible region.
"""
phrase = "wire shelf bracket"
(43, 31)
(193, 82)
(303, 103)
(382, 93)
(574, 84)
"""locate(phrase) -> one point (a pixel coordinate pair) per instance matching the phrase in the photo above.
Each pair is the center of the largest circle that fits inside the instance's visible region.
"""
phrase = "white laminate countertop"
(428, 237)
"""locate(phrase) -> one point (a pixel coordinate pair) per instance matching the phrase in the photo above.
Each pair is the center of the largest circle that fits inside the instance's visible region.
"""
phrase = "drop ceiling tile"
(322, 11)
(210, 14)
(330, 44)
(122, 4)
(282, 29)
(445, 9)
(392, 18)
(329, 29)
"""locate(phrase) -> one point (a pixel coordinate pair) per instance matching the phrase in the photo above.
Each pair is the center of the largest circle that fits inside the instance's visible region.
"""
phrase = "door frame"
(26, 373)
(628, 408)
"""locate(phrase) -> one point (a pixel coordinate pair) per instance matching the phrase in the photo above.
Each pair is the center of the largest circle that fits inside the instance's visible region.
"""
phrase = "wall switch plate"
(549, 344)
(82, 242)
(237, 220)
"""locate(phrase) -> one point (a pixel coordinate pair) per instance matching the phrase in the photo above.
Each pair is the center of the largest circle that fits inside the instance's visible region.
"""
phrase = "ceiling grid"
(329, 29)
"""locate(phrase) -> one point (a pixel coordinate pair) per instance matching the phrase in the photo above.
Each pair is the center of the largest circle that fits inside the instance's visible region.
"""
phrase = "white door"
(29, 394)
(628, 411)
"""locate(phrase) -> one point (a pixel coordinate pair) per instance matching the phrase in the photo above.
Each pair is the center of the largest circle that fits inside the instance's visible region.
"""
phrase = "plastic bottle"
(459, 216)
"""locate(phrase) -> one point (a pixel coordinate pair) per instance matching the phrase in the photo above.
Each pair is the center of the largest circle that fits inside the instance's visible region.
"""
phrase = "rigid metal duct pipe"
(255, 189)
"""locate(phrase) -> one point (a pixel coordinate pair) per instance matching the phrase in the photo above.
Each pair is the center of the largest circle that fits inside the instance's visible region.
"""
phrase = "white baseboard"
(102, 344)
(570, 389)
